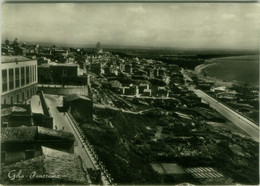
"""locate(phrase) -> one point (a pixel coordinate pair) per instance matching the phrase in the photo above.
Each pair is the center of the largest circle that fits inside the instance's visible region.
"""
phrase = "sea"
(243, 69)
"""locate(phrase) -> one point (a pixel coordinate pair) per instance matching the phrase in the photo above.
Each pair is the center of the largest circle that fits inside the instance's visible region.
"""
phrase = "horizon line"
(125, 46)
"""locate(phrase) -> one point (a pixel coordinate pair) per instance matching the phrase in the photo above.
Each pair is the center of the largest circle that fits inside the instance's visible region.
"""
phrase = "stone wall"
(63, 90)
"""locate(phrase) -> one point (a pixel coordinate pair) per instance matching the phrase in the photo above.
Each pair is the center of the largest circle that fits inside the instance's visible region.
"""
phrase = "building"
(81, 107)
(99, 49)
(21, 51)
(16, 115)
(96, 68)
(143, 86)
(34, 114)
(19, 79)
(57, 73)
(7, 50)
(115, 84)
(107, 70)
(209, 176)
(150, 72)
(130, 90)
(21, 143)
(57, 166)
(128, 68)
(172, 172)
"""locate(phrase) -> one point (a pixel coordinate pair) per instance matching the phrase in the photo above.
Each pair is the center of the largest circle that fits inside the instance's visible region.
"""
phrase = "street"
(62, 123)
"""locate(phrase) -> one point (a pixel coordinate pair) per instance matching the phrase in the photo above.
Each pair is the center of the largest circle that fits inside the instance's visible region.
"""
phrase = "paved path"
(248, 126)
(61, 121)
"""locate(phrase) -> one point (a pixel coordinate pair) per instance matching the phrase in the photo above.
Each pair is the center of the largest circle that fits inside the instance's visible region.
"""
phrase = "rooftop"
(58, 64)
(168, 168)
(76, 96)
(209, 176)
(10, 59)
(68, 166)
(62, 167)
(46, 133)
(10, 109)
(32, 133)
(18, 134)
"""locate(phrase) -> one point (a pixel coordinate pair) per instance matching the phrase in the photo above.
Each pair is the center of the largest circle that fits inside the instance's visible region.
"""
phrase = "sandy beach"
(198, 69)
(203, 75)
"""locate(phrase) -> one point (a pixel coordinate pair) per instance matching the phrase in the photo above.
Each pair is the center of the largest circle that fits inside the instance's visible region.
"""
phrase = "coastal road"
(242, 122)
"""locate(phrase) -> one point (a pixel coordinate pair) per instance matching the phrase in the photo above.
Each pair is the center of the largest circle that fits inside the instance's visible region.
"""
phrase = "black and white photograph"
(130, 93)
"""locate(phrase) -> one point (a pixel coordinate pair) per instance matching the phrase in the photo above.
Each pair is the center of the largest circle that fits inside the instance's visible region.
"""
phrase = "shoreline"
(200, 72)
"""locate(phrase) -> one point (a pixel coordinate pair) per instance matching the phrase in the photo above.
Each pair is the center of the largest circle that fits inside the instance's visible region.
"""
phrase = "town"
(92, 116)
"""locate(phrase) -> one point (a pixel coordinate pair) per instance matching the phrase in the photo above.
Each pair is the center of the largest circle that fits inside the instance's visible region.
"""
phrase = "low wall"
(45, 120)
(63, 90)
(45, 107)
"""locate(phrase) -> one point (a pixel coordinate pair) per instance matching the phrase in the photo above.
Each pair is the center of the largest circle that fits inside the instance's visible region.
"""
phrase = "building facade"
(80, 106)
(18, 78)
(61, 74)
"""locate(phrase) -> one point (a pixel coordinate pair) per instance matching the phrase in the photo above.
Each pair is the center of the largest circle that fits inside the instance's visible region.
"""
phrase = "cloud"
(251, 15)
(228, 16)
(164, 24)
(174, 7)
(138, 9)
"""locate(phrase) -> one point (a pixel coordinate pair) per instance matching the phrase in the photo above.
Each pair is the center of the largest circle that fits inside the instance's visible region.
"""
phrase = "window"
(22, 76)
(4, 80)
(17, 77)
(35, 73)
(11, 79)
(64, 73)
(4, 101)
(22, 96)
(27, 75)
(28, 94)
(31, 75)
(11, 100)
(17, 98)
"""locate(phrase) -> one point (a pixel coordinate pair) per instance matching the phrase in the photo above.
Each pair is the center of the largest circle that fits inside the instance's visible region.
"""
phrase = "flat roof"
(58, 64)
(15, 108)
(64, 64)
(9, 59)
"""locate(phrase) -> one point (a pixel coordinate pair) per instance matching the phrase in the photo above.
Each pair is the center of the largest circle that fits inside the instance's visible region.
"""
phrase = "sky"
(178, 25)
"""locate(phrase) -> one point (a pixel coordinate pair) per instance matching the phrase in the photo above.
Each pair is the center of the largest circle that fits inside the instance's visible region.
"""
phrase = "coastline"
(201, 73)
(198, 69)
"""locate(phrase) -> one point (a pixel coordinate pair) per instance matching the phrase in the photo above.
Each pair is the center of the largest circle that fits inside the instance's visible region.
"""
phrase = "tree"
(15, 43)
(7, 42)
